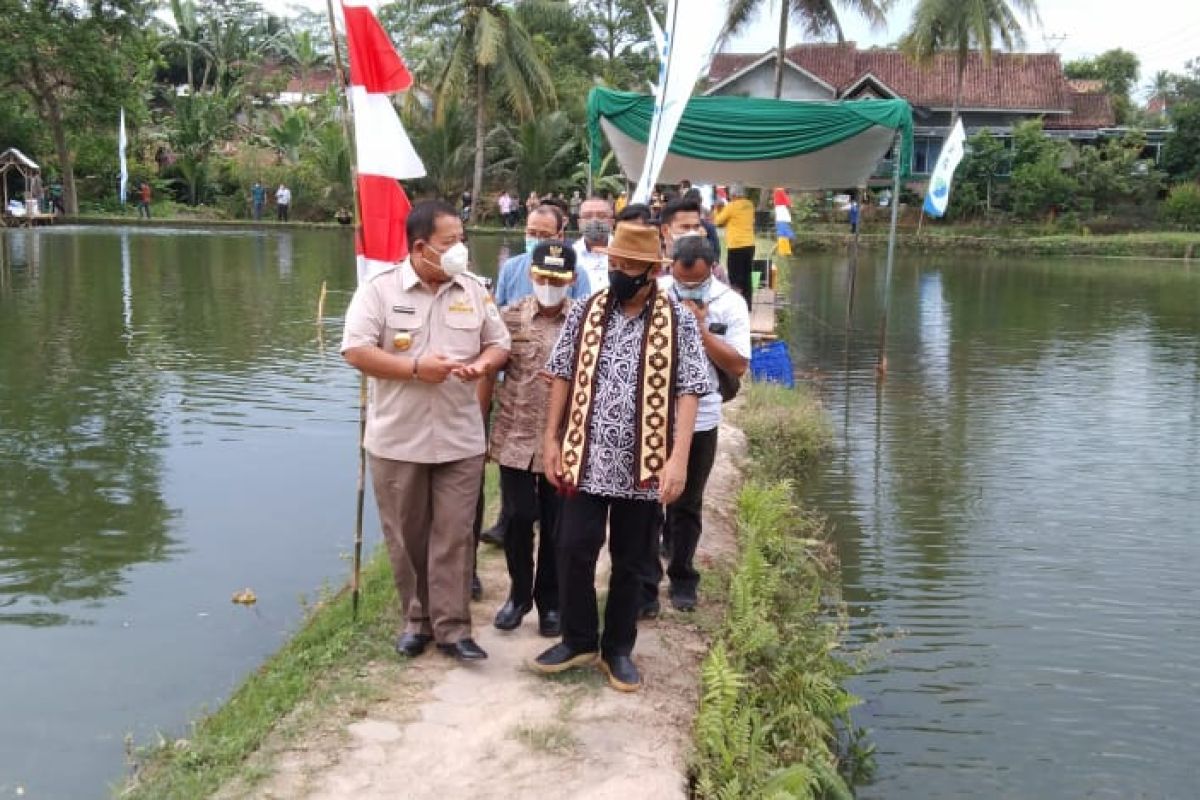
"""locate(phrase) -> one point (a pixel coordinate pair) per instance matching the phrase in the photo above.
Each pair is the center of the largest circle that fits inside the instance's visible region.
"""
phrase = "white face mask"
(550, 296)
(454, 260)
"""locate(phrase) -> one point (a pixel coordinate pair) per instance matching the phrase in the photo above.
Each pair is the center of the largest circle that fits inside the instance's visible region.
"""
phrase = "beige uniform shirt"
(523, 396)
(409, 420)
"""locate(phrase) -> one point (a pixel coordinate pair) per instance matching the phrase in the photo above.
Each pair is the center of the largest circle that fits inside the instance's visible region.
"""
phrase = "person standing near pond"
(283, 201)
(629, 371)
(591, 250)
(724, 323)
(534, 324)
(424, 331)
(144, 194)
(258, 199)
(513, 282)
(737, 218)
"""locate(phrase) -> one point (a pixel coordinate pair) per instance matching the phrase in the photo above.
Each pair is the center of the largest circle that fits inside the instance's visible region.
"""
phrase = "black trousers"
(531, 498)
(632, 528)
(683, 524)
(281, 212)
(739, 261)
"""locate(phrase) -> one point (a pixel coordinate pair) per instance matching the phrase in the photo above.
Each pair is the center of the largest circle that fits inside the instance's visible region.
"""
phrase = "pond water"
(1017, 512)
(1016, 509)
(174, 427)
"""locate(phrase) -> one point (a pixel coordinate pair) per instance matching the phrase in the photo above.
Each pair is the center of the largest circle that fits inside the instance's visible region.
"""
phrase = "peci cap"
(553, 259)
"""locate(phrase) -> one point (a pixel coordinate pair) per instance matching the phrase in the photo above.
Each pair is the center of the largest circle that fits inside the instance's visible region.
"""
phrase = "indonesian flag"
(783, 222)
(385, 154)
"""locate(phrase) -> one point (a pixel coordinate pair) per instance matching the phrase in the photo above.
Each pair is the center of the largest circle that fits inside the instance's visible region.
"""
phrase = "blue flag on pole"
(938, 195)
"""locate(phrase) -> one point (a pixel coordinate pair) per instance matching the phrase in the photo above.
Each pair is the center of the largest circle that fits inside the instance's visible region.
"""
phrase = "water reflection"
(1019, 500)
(79, 465)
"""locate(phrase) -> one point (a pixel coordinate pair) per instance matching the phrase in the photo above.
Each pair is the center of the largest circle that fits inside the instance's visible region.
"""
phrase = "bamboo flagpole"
(360, 494)
(897, 150)
(380, 156)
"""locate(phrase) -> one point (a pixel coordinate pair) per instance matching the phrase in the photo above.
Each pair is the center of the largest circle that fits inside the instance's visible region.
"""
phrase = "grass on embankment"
(772, 704)
(325, 666)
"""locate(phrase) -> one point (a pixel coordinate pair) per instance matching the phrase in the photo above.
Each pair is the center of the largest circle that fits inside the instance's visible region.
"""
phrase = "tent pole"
(882, 366)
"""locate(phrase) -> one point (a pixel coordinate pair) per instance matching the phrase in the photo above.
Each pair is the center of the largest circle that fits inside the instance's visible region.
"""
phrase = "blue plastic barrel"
(772, 363)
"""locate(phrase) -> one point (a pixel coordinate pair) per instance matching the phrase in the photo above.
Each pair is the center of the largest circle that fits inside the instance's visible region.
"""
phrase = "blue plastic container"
(772, 363)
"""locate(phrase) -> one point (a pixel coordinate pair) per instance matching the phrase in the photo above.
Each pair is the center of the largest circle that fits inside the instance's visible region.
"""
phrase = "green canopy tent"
(756, 142)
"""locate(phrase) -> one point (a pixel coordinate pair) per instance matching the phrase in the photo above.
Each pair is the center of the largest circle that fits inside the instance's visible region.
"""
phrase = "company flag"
(783, 222)
(385, 154)
(938, 196)
(686, 46)
(121, 143)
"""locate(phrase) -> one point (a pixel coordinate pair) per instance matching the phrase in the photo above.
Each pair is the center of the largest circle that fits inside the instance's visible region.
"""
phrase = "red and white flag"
(385, 154)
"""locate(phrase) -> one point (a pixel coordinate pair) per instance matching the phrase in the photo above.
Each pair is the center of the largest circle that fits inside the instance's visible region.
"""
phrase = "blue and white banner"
(121, 155)
(938, 196)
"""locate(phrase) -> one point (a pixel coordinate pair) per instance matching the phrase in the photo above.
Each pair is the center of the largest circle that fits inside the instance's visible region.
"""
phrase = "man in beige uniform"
(424, 332)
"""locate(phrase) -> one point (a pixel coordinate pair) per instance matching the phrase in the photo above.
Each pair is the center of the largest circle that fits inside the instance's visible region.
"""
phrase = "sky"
(1164, 34)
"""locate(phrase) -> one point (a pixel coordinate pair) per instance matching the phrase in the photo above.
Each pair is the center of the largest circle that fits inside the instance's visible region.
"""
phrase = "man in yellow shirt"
(737, 218)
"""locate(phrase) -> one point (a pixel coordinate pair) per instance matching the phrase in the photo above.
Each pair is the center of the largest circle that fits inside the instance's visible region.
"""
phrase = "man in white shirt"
(283, 201)
(591, 249)
(725, 333)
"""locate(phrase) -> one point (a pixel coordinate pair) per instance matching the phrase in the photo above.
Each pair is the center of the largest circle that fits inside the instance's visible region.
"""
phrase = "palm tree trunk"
(480, 125)
(784, 9)
(958, 88)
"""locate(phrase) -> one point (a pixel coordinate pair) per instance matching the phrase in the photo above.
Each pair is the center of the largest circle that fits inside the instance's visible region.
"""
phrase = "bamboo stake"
(356, 572)
(882, 367)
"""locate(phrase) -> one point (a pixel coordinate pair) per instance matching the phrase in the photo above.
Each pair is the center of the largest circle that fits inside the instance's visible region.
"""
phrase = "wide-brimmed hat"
(637, 242)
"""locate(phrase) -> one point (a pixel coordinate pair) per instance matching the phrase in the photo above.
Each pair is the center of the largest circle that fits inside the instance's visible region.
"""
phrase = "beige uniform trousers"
(427, 512)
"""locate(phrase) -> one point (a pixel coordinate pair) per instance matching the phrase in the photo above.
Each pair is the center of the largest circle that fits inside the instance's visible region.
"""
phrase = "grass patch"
(555, 738)
(320, 668)
(786, 430)
(774, 717)
(773, 709)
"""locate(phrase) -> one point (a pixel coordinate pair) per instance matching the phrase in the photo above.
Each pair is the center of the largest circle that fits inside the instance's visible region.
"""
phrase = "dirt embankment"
(497, 730)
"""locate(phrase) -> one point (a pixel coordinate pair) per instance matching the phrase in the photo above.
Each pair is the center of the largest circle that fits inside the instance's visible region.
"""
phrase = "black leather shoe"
(622, 673)
(463, 650)
(411, 645)
(509, 617)
(563, 657)
(476, 587)
(683, 601)
(550, 624)
(650, 610)
(494, 535)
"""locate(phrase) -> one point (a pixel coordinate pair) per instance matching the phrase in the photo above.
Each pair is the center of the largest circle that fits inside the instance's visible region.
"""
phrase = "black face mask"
(624, 287)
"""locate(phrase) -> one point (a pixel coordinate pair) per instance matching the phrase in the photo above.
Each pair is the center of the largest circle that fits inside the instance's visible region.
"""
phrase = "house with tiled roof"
(1008, 89)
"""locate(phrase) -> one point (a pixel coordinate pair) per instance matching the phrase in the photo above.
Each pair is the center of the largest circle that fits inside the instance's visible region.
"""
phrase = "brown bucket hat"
(636, 242)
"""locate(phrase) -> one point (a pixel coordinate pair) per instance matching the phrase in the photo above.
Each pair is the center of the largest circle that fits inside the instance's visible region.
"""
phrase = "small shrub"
(786, 429)
(1182, 206)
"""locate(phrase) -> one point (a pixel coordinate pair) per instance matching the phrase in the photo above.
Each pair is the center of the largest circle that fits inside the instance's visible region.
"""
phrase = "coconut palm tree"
(819, 18)
(959, 26)
(490, 49)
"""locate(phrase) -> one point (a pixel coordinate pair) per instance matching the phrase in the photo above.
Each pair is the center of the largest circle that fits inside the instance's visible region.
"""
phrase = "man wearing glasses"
(514, 283)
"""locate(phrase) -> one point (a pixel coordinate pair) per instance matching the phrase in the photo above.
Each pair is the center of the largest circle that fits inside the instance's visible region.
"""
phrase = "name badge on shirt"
(461, 307)
(404, 310)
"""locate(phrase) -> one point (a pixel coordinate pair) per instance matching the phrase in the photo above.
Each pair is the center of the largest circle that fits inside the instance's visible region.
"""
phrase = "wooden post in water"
(340, 69)
(882, 365)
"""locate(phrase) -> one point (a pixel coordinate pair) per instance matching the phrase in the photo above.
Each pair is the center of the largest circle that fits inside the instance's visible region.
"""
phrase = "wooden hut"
(31, 176)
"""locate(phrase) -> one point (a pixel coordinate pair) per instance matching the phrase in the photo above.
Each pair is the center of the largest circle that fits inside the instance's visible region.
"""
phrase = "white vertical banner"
(121, 155)
(938, 195)
(687, 43)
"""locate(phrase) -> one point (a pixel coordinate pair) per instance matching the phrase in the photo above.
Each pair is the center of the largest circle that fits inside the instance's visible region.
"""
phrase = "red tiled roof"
(1087, 111)
(1017, 81)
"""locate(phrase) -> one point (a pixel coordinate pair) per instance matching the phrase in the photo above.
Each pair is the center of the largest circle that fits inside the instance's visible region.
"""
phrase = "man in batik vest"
(628, 373)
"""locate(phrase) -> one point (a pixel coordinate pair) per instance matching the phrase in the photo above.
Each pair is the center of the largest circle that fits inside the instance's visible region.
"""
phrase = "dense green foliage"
(1182, 206)
(1032, 176)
